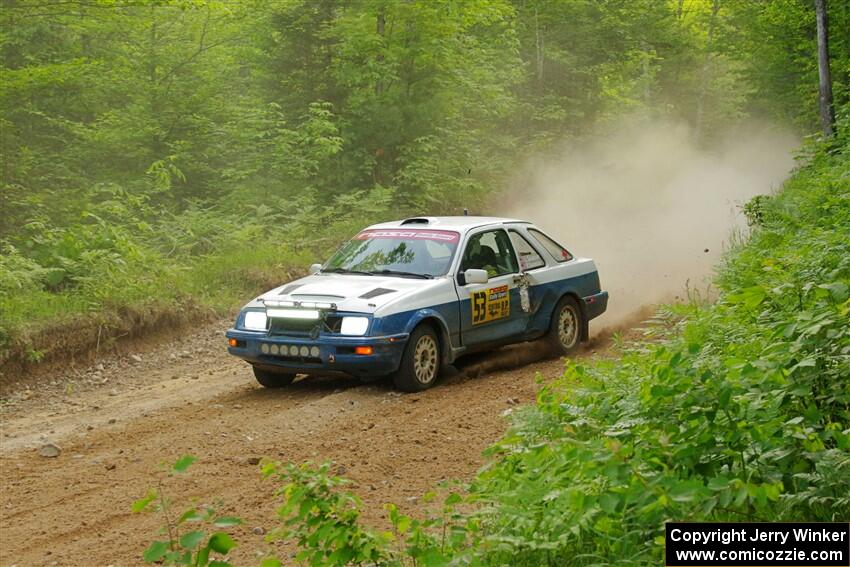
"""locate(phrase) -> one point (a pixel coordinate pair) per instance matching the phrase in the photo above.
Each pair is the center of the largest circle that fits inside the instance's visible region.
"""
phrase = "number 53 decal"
(490, 304)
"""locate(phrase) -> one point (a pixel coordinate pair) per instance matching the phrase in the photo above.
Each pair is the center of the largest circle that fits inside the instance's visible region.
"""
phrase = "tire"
(271, 379)
(420, 363)
(565, 328)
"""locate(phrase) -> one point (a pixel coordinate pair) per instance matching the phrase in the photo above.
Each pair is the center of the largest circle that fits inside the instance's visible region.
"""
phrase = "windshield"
(423, 253)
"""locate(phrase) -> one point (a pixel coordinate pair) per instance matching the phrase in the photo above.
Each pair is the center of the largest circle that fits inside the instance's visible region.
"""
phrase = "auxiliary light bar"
(293, 313)
(300, 304)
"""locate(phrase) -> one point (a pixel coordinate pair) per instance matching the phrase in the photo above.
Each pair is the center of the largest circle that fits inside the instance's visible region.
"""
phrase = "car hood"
(362, 294)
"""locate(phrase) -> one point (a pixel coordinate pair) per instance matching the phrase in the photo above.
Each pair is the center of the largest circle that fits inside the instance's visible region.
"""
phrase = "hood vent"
(376, 292)
(289, 289)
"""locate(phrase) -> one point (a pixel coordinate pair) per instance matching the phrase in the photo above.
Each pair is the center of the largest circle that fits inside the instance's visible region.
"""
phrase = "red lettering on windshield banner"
(436, 235)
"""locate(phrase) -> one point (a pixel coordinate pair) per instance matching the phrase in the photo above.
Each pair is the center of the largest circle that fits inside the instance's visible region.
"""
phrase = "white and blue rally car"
(405, 298)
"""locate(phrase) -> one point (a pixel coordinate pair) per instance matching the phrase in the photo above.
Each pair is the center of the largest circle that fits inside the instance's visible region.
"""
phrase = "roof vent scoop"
(415, 220)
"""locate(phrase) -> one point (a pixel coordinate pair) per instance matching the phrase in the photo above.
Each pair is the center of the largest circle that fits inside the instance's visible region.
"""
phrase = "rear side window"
(529, 259)
(556, 250)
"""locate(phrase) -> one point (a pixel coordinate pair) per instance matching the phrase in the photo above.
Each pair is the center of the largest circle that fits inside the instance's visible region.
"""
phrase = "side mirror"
(476, 277)
(315, 269)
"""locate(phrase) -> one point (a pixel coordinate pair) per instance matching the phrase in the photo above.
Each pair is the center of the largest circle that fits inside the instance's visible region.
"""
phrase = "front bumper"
(336, 353)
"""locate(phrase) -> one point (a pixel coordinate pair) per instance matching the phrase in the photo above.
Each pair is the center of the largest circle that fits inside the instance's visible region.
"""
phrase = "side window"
(490, 251)
(529, 259)
(556, 250)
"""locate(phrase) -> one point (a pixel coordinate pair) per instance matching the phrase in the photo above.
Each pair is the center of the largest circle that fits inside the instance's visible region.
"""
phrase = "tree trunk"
(380, 26)
(380, 29)
(827, 117)
(538, 42)
(706, 68)
(647, 78)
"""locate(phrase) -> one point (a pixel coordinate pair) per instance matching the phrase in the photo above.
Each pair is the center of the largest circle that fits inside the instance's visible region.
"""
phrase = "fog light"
(314, 352)
(363, 350)
(274, 349)
(293, 350)
(232, 342)
(264, 348)
(305, 351)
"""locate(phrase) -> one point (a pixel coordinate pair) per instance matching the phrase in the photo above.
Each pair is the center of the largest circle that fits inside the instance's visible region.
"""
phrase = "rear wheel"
(565, 329)
(420, 363)
(270, 379)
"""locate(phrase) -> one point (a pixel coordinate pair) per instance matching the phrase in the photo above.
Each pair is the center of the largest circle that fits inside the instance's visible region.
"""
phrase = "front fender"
(407, 321)
(423, 314)
(444, 330)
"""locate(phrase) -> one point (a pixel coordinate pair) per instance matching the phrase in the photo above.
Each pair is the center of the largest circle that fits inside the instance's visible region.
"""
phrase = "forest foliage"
(177, 154)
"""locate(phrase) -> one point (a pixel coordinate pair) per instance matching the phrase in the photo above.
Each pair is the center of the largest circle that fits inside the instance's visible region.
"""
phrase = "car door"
(533, 275)
(490, 312)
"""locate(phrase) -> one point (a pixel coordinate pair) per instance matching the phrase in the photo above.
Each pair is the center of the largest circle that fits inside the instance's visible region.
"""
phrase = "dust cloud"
(652, 208)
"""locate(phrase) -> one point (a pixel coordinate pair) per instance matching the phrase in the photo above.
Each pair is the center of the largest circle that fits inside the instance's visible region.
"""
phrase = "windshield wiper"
(346, 271)
(402, 274)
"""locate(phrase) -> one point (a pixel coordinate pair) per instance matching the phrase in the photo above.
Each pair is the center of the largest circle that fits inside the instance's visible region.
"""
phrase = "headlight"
(355, 326)
(256, 320)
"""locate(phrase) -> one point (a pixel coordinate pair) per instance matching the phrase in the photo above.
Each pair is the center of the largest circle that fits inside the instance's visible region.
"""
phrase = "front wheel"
(565, 329)
(270, 379)
(420, 363)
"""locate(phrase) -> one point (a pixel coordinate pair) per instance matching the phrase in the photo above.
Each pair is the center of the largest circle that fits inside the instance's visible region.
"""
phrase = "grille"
(292, 327)
(304, 328)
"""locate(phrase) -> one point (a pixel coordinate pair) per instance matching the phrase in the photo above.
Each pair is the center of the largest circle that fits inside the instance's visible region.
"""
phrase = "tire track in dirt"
(74, 509)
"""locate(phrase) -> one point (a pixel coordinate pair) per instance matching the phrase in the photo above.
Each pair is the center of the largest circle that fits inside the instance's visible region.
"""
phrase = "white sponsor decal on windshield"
(438, 235)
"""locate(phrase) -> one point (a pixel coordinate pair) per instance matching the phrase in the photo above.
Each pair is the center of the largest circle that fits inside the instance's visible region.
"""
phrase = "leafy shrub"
(193, 547)
(323, 520)
(19, 273)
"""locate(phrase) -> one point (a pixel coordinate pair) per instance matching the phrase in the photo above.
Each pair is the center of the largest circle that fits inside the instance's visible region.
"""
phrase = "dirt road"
(116, 421)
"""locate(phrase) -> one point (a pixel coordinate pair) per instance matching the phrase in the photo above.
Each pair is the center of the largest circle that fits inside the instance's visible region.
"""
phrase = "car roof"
(459, 223)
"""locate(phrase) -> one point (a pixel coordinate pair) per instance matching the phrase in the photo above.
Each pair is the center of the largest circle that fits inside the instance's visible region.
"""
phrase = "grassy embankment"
(127, 269)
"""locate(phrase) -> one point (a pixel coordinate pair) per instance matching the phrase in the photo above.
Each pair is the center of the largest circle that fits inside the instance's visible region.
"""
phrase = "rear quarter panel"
(578, 277)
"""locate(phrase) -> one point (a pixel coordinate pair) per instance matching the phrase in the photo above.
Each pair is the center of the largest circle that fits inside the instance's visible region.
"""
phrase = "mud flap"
(584, 333)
